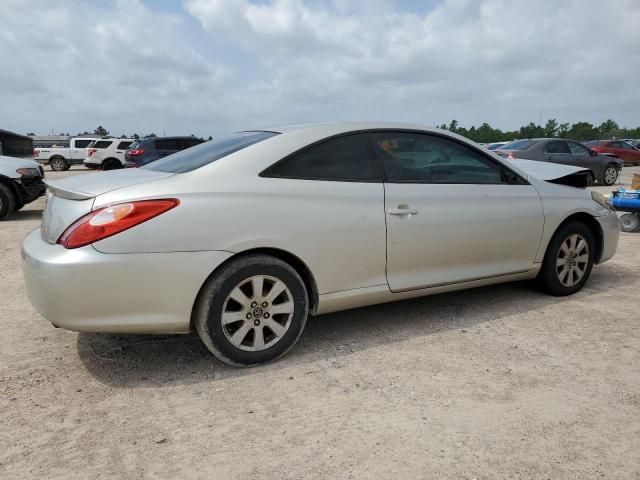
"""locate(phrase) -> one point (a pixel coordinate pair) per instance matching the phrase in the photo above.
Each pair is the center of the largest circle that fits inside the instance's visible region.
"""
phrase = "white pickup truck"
(59, 158)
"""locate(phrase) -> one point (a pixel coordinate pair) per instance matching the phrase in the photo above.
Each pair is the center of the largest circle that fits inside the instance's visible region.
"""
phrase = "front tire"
(252, 311)
(610, 175)
(7, 201)
(568, 261)
(58, 164)
(630, 222)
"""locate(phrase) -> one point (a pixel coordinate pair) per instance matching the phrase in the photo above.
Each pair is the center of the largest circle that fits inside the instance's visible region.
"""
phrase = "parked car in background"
(605, 169)
(61, 158)
(436, 211)
(621, 149)
(635, 142)
(20, 183)
(151, 149)
(495, 145)
(107, 154)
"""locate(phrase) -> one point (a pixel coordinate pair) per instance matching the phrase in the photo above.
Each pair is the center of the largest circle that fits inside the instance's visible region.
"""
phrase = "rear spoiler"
(68, 194)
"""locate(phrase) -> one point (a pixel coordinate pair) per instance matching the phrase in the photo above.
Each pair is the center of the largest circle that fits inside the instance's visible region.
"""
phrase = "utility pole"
(540, 121)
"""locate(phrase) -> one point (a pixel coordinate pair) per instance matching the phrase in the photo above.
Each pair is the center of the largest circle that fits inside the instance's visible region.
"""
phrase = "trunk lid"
(70, 198)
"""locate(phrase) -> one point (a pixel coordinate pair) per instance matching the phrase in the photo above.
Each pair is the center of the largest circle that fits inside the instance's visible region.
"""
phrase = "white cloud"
(225, 64)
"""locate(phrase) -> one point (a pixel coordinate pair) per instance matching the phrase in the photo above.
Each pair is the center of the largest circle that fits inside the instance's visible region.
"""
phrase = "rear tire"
(58, 164)
(610, 175)
(111, 164)
(7, 201)
(568, 261)
(252, 311)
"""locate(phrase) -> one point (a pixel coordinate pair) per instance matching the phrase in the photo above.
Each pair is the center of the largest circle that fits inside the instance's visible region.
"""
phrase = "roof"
(13, 134)
(344, 126)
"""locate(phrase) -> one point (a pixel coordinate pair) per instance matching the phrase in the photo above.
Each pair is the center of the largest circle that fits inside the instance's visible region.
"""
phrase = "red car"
(626, 152)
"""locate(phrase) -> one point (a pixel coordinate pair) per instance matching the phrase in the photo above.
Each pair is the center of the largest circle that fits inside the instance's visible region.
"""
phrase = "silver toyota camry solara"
(242, 237)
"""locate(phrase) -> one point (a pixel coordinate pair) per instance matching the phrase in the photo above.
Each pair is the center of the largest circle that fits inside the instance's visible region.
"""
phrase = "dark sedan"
(605, 169)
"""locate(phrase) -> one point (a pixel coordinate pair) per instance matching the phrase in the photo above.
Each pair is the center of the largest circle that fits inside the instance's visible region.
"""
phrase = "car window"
(208, 152)
(422, 158)
(557, 147)
(167, 144)
(83, 143)
(135, 144)
(578, 149)
(594, 143)
(124, 145)
(102, 144)
(518, 145)
(344, 158)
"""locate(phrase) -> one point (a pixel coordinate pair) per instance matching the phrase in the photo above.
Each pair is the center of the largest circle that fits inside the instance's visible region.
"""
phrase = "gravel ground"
(499, 382)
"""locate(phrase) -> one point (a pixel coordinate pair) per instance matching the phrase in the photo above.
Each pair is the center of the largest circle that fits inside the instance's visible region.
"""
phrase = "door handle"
(403, 210)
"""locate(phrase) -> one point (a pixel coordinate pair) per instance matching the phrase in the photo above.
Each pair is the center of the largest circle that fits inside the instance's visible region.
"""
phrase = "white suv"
(107, 153)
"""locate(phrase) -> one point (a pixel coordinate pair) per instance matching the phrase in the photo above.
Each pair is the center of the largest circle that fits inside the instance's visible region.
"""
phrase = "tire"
(58, 164)
(252, 317)
(630, 222)
(111, 164)
(566, 279)
(610, 175)
(7, 201)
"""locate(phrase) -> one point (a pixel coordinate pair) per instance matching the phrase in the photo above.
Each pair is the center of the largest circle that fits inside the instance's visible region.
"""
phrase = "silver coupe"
(242, 237)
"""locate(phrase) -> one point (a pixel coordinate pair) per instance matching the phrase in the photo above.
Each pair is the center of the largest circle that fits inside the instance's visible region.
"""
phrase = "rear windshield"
(517, 145)
(208, 152)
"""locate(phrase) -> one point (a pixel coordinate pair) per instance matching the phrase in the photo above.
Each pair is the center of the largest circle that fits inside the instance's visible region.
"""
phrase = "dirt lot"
(499, 382)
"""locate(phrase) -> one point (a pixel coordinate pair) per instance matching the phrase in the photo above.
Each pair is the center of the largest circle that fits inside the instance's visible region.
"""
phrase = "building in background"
(15, 145)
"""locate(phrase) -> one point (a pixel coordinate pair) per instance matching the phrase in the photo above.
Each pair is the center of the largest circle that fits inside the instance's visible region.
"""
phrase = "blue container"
(626, 203)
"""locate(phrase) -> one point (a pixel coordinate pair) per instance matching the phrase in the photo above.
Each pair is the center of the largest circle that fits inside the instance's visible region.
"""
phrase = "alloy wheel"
(257, 313)
(572, 260)
(610, 175)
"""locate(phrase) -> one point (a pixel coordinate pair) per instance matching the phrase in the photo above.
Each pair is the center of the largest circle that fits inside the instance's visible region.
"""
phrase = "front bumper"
(30, 188)
(610, 233)
(88, 291)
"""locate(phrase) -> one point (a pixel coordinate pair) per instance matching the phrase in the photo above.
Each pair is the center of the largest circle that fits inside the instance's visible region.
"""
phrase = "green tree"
(582, 131)
(551, 128)
(135, 136)
(103, 132)
(453, 126)
(608, 129)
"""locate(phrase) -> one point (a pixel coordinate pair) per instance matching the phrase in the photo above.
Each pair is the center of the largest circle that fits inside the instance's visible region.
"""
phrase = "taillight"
(511, 156)
(113, 219)
(136, 152)
(36, 153)
(91, 151)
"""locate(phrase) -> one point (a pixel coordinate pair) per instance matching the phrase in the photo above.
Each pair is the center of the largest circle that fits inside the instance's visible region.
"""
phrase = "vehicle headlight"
(601, 200)
(28, 172)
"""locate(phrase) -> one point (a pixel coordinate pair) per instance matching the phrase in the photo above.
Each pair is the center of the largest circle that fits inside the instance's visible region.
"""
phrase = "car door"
(453, 213)
(557, 151)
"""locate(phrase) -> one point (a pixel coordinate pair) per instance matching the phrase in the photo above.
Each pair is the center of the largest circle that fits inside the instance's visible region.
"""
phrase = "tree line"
(580, 131)
(103, 132)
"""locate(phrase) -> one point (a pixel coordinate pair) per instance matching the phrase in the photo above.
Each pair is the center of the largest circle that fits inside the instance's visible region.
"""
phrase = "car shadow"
(127, 361)
(22, 215)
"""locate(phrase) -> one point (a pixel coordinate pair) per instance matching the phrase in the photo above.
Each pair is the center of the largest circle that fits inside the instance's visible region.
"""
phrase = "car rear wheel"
(252, 311)
(7, 202)
(111, 164)
(58, 164)
(610, 175)
(568, 261)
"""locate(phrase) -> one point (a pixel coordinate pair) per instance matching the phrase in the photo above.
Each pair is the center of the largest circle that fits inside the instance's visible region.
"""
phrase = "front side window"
(421, 158)
(557, 147)
(206, 153)
(345, 158)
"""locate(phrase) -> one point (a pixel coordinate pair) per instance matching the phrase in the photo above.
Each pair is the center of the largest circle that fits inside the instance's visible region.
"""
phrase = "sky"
(211, 67)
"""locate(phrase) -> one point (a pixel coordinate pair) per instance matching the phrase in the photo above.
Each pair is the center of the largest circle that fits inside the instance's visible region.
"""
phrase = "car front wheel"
(252, 311)
(568, 261)
(7, 202)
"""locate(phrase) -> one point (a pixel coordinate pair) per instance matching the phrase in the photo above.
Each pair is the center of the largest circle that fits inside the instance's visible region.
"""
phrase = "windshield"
(208, 152)
(517, 145)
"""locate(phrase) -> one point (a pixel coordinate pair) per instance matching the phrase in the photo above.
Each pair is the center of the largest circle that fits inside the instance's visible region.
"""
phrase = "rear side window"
(167, 144)
(518, 145)
(123, 145)
(557, 147)
(208, 152)
(83, 143)
(346, 158)
(101, 144)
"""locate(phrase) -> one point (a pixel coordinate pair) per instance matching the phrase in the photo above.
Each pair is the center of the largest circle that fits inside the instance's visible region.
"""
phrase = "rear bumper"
(610, 234)
(88, 291)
